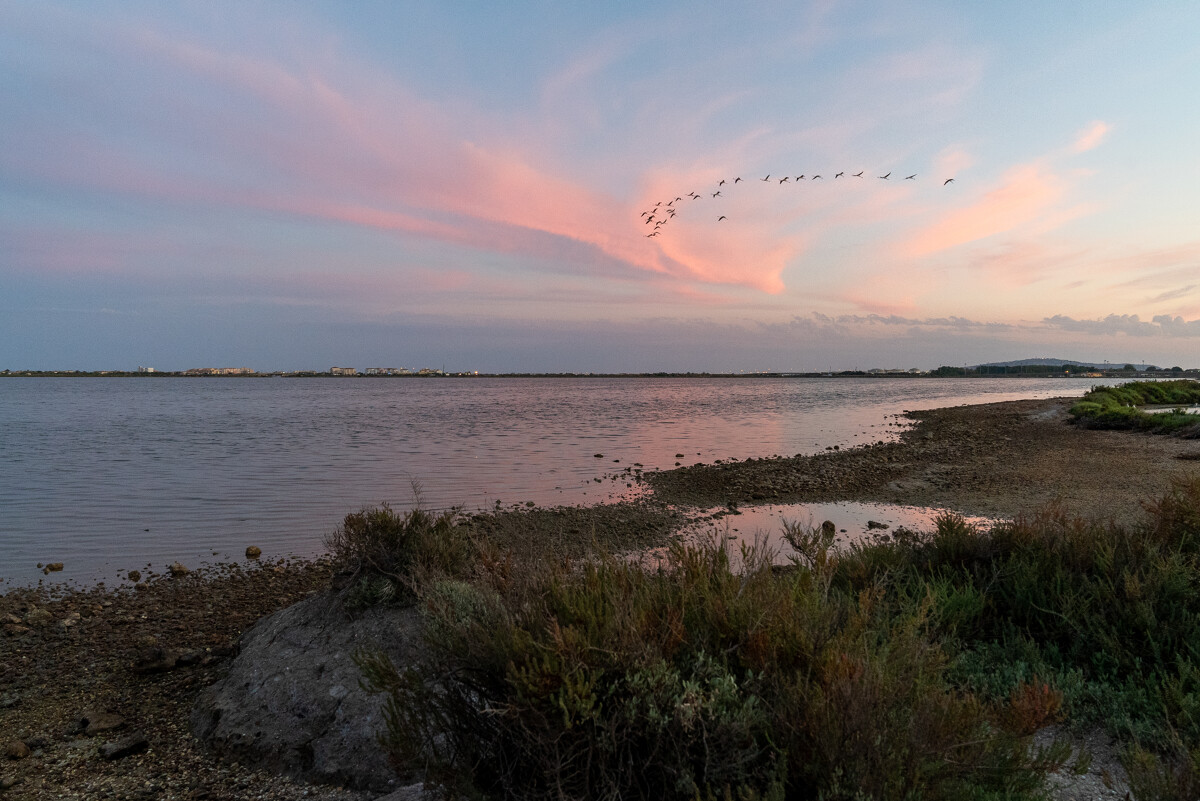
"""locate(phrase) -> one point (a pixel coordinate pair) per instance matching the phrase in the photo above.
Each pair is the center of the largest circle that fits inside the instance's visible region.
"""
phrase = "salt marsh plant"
(1118, 407)
(915, 668)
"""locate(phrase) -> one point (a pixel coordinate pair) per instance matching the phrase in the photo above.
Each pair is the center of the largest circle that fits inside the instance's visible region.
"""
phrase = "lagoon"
(109, 474)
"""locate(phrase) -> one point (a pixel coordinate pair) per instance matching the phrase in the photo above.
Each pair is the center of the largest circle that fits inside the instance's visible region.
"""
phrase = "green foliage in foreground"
(1117, 407)
(916, 668)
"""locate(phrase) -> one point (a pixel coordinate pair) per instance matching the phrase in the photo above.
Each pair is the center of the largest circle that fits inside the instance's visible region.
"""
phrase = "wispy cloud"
(1090, 137)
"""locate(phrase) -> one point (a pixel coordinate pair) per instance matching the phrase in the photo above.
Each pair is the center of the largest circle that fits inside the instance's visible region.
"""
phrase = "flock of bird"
(664, 211)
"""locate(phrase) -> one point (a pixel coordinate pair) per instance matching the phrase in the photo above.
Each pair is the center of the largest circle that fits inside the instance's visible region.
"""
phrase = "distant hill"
(1060, 363)
(1057, 362)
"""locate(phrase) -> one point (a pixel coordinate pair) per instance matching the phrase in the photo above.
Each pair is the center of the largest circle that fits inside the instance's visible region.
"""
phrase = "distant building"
(343, 371)
(146, 369)
(388, 371)
(219, 371)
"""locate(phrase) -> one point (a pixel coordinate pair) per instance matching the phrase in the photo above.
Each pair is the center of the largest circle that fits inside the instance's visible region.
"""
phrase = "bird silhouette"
(784, 178)
(721, 218)
(735, 180)
(716, 193)
(644, 213)
(767, 178)
(839, 175)
(799, 177)
(722, 182)
(859, 173)
(948, 180)
(884, 177)
(910, 177)
(815, 177)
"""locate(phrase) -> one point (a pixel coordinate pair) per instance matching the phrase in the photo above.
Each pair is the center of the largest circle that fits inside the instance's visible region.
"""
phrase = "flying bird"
(644, 213)
(767, 178)
(784, 178)
(839, 175)
(815, 177)
(859, 173)
(910, 177)
(716, 193)
(799, 177)
(948, 180)
(735, 180)
(722, 182)
(721, 218)
(884, 177)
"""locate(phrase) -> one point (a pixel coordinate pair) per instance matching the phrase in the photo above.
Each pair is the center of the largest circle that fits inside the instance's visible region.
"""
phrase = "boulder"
(291, 702)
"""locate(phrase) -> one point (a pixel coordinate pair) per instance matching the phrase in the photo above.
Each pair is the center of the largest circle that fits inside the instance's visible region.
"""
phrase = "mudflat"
(98, 683)
(999, 460)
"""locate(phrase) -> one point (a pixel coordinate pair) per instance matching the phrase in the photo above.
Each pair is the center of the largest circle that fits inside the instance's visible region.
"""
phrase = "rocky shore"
(98, 686)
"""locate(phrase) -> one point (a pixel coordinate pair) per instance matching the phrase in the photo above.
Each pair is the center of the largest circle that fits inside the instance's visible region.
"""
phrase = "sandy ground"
(70, 657)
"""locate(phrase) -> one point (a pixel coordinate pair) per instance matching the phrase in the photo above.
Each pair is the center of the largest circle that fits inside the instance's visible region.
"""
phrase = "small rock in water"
(679, 456)
(876, 524)
(828, 528)
(597, 455)
(54, 567)
(177, 569)
(253, 552)
(135, 576)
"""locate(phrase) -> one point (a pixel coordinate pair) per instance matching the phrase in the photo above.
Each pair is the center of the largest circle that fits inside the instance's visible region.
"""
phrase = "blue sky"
(295, 185)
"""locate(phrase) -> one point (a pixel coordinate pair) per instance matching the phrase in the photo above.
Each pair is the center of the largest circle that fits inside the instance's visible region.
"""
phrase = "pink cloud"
(1090, 137)
(1026, 192)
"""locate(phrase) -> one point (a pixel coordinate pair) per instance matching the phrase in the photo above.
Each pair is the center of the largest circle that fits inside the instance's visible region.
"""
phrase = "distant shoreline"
(969, 373)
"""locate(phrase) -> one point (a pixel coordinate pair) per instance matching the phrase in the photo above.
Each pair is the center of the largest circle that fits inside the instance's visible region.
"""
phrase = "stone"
(54, 567)
(14, 629)
(410, 792)
(130, 744)
(873, 524)
(253, 552)
(15, 749)
(154, 659)
(38, 617)
(291, 701)
(177, 569)
(135, 576)
(71, 619)
(11, 618)
(828, 528)
(93, 722)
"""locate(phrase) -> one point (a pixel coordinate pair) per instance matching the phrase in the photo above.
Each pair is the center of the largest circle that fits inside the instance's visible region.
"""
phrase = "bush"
(385, 556)
(915, 668)
(1117, 407)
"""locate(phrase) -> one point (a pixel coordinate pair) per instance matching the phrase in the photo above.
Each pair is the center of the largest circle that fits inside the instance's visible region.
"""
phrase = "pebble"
(135, 576)
(16, 750)
(54, 567)
(127, 745)
(178, 569)
(253, 552)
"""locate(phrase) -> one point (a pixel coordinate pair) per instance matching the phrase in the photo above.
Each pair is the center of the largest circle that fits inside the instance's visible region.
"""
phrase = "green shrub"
(1117, 407)
(384, 555)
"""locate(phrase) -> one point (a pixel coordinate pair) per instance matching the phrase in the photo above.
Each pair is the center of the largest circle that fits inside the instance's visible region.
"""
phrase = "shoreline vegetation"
(959, 662)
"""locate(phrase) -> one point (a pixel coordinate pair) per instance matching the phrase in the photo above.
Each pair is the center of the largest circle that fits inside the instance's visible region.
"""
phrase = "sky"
(297, 185)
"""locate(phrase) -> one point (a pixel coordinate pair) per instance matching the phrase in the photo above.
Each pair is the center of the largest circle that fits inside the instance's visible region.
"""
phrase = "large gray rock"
(291, 702)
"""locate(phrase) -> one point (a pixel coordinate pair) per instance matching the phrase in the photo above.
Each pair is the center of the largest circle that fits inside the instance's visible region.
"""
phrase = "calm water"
(111, 474)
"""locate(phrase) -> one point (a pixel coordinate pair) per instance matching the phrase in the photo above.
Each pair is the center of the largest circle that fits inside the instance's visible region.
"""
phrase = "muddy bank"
(1000, 460)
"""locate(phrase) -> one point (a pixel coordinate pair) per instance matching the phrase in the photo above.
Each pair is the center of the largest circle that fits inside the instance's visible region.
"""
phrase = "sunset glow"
(298, 185)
